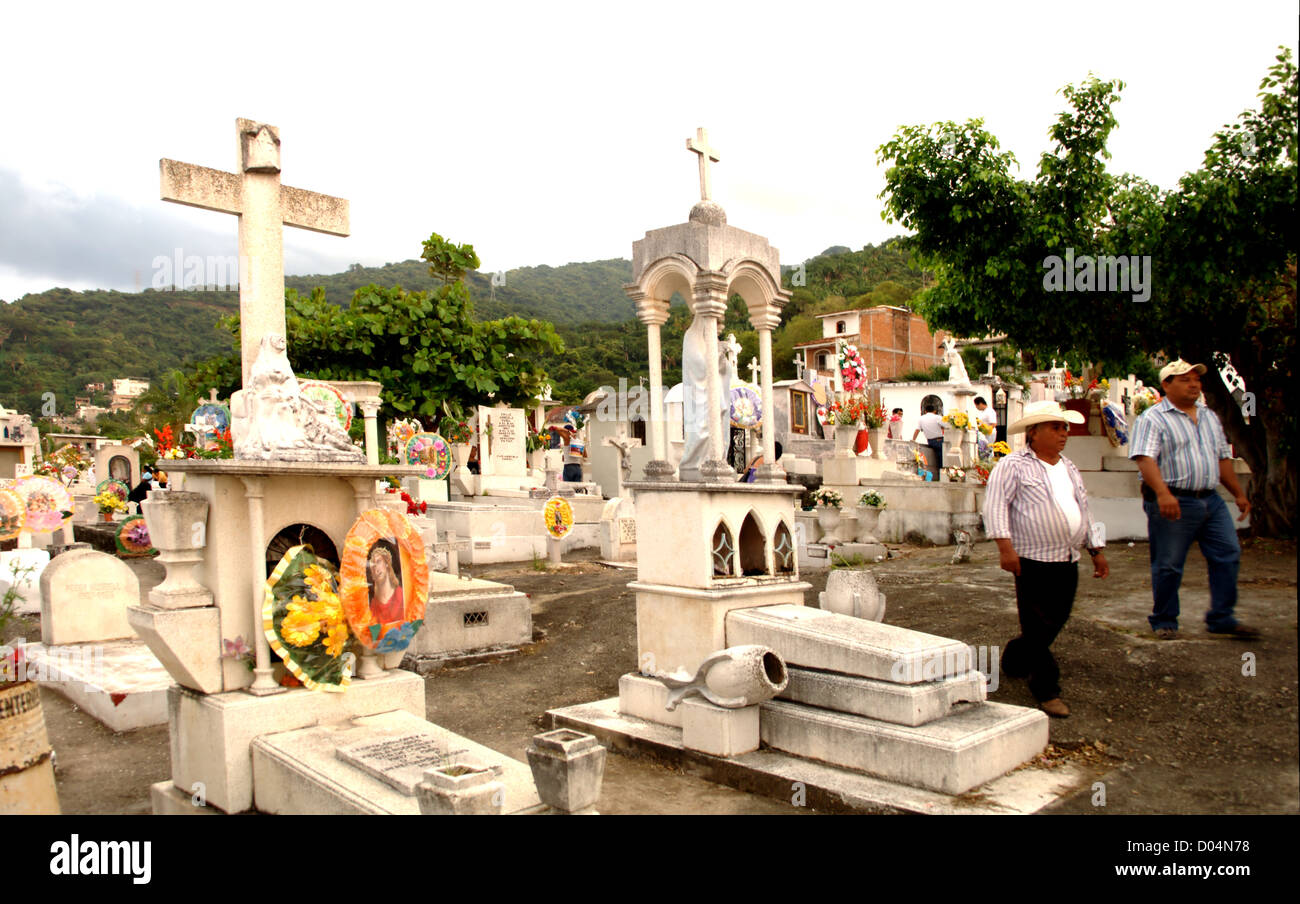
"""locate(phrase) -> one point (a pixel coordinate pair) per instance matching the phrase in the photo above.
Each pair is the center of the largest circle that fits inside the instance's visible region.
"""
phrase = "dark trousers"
(1044, 596)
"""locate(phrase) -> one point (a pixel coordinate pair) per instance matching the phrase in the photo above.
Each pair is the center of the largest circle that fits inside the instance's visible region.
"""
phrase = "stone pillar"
(368, 411)
(654, 314)
(765, 322)
(254, 492)
(261, 253)
(710, 304)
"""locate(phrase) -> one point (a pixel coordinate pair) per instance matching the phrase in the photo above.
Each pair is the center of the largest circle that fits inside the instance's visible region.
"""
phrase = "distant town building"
(19, 441)
(891, 340)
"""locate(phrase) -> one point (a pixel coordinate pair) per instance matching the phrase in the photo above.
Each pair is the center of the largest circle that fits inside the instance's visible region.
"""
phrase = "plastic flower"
(299, 628)
(336, 639)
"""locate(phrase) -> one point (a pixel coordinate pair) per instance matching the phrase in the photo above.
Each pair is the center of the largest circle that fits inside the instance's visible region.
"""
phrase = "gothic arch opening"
(753, 551)
(783, 550)
(290, 536)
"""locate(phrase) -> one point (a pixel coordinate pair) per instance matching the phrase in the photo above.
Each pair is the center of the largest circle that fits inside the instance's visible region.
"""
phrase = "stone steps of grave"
(383, 756)
(971, 746)
(900, 704)
(827, 641)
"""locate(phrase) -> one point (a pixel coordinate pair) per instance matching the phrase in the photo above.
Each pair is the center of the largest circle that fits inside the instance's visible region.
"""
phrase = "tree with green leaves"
(426, 348)
(1219, 255)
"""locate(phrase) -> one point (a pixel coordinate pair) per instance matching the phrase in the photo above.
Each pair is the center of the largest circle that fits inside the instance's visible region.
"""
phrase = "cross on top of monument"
(990, 357)
(754, 368)
(263, 206)
(212, 397)
(700, 145)
(800, 365)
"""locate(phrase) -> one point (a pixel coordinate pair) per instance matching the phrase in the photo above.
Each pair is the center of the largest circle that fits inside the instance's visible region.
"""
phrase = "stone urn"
(876, 439)
(868, 523)
(460, 452)
(537, 460)
(845, 437)
(177, 522)
(828, 519)
(26, 768)
(460, 789)
(568, 769)
(847, 532)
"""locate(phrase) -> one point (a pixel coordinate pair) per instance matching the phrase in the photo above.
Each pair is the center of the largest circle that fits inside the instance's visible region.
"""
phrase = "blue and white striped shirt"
(1020, 506)
(1187, 454)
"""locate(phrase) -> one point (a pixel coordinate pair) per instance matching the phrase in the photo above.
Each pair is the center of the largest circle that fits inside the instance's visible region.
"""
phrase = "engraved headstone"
(400, 761)
(505, 430)
(84, 595)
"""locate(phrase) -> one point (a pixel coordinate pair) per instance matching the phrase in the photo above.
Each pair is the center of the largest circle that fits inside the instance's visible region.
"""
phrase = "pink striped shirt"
(1019, 506)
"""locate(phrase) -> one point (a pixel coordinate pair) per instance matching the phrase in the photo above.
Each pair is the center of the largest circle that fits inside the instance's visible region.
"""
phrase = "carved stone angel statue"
(956, 366)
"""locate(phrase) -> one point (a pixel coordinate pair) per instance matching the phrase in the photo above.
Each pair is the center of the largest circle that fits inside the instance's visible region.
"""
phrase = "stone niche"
(704, 549)
(122, 462)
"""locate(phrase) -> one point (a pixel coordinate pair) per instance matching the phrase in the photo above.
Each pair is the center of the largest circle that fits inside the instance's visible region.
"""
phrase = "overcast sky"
(546, 133)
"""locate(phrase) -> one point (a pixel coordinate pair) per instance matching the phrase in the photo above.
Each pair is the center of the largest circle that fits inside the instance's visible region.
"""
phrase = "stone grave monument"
(239, 734)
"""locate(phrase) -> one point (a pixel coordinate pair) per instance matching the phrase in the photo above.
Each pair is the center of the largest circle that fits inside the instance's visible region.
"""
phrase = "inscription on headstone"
(627, 530)
(400, 761)
(506, 444)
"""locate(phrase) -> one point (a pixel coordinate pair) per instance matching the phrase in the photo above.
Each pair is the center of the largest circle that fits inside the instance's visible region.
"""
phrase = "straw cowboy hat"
(1044, 412)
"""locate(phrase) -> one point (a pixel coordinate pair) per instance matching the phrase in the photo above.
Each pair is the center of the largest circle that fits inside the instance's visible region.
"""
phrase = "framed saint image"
(384, 581)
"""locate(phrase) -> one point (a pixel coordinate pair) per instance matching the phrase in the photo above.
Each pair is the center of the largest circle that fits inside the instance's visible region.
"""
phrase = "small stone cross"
(990, 357)
(700, 145)
(212, 397)
(754, 369)
(452, 547)
(800, 365)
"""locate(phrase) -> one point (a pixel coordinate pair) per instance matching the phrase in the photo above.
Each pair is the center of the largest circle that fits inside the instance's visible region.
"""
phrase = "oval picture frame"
(384, 580)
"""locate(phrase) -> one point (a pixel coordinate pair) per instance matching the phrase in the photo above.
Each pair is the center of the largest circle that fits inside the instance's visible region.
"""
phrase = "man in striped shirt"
(1183, 455)
(1036, 510)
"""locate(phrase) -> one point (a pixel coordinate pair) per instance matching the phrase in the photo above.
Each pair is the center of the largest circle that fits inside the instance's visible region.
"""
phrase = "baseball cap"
(1179, 367)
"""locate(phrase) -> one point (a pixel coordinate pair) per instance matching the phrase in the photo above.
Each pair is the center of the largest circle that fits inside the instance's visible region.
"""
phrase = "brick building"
(892, 342)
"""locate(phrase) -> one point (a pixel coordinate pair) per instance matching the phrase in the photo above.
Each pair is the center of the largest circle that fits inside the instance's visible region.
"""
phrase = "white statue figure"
(956, 366)
(696, 421)
(277, 423)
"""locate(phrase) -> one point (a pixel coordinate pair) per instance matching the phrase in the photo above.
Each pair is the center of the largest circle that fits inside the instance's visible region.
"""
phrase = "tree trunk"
(1273, 483)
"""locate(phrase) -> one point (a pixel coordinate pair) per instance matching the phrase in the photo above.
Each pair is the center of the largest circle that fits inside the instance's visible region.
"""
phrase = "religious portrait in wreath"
(384, 575)
(384, 580)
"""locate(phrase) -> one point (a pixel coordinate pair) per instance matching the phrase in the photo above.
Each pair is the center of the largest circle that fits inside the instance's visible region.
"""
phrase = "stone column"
(261, 252)
(710, 304)
(654, 314)
(765, 323)
(368, 411)
(254, 491)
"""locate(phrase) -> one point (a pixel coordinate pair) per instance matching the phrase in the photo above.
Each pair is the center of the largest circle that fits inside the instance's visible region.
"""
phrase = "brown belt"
(1150, 496)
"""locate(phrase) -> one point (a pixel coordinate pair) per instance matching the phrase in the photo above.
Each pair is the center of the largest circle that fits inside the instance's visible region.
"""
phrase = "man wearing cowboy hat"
(1183, 455)
(1036, 510)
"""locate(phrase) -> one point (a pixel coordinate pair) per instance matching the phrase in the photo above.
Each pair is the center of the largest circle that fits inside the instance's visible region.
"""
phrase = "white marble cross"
(700, 145)
(990, 357)
(800, 365)
(452, 548)
(212, 397)
(754, 368)
(263, 206)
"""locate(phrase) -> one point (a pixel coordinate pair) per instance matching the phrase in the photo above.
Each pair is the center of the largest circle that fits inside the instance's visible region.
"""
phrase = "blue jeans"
(1208, 522)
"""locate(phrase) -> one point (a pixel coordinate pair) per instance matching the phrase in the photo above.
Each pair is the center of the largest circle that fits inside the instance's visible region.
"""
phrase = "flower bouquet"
(109, 502)
(1098, 389)
(958, 420)
(999, 449)
(872, 499)
(956, 475)
(853, 370)
(828, 498)
(1144, 399)
(455, 431)
(985, 428)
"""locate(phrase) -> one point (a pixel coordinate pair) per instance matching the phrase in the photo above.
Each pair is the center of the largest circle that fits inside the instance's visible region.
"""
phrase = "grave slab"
(118, 683)
(84, 597)
(951, 755)
(902, 704)
(828, 641)
(463, 615)
(831, 788)
(358, 766)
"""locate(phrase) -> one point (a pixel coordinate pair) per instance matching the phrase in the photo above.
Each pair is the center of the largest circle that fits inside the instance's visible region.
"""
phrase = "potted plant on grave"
(828, 510)
(536, 443)
(455, 429)
(875, 416)
(109, 503)
(26, 766)
(870, 505)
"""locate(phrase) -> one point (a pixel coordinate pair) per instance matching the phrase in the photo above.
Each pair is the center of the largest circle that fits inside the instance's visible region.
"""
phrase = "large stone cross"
(700, 145)
(800, 365)
(990, 357)
(263, 206)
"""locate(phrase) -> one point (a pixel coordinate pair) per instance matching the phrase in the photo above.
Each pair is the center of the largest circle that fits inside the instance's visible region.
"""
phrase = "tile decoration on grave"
(132, 538)
(558, 517)
(214, 417)
(746, 407)
(430, 450)
(384, 581)
(115, 486)
(1115, 422)
(13, 513)
(333, 401)
(302, 616)
(49, 504)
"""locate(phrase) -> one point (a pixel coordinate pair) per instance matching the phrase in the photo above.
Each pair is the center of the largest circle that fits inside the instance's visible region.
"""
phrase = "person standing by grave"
(1183, 455)
(895, 424)
(988, 416)
(931, 427)
(1036, 510)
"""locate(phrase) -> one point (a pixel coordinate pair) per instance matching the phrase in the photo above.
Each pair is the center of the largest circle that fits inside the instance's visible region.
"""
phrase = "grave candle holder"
(460, 789)
(568, 769)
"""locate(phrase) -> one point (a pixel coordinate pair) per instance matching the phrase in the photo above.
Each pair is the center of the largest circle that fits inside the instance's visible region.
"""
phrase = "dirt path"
(1169, 727)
